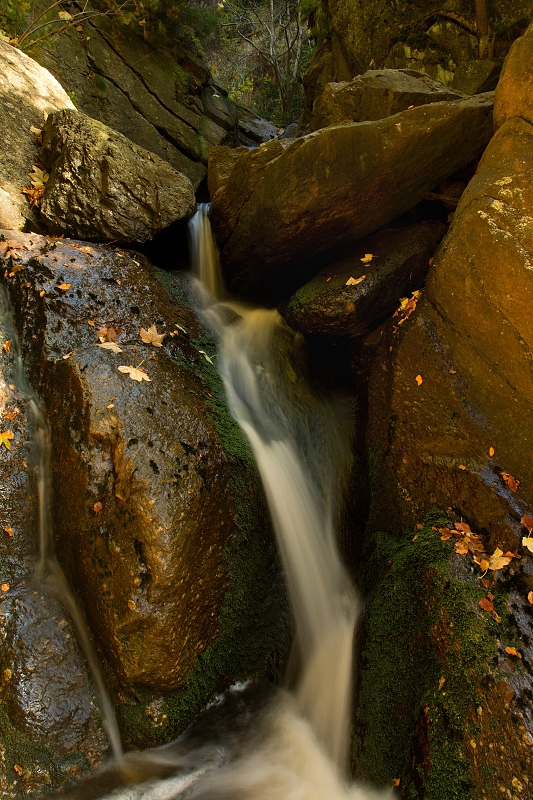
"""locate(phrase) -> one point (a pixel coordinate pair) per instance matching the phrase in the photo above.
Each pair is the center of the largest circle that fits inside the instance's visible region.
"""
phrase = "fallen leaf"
(5, 438)
(527, 522)
(135, 373)
(461, 547)
(12, 386)
(131, 605)
(484, 564)
(446, 534)
(18, 769)
(367, 258)
(111, 405)
(453, 372)
(462, 526)
(530, 597)
(68, 355)
(355, 281)
(486, 605)
(64, 286)
(151, 336)
(9, 530)
(512, 651)
(5, 587)
(36, 131)
(462, 466)
(419, 379)
(110, 346)
(97, 507)
(42, 293)
(7, 346)
(396, 781)
(90, 322)
(64, 15)
(491, 451)
(511, 482)
(527, 541)
(415, 537)
(180, 327)
(497, 560)
(207, 358)
(442, 681)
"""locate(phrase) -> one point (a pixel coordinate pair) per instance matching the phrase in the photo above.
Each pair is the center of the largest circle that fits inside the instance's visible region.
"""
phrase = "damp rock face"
(154, 485)
(311, 201)
(377, 94)
(514, 92)
(103, 187)
(449, 403)
(27, 91)
(351, 297)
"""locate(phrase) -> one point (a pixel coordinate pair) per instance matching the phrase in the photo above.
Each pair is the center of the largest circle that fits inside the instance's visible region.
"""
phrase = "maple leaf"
(527, 541)
(5, 439)
(367, 258)
(110, 346)
(135, 373)
(355, 281)
(107, 334)
(497, 560)
(151, 336)
(511, 482)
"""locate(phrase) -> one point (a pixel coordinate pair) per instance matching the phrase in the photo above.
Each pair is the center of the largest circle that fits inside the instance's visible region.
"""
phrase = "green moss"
(421, 626)
(255, 619)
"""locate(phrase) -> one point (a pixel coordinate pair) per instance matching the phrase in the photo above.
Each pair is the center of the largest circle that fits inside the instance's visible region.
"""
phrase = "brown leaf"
(151, 336)
(461, 547)
(4, 587)
(135, 373)
(527, 522)
(7, 346)
(12, 414)
(484, 565)
(9, 530)
(367, 258)
(486, 605)
(97, 507)
(18, 769)
(511, 482)
(462, 526)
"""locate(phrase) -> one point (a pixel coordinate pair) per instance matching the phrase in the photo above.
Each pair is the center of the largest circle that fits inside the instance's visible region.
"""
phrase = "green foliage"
(313, 13)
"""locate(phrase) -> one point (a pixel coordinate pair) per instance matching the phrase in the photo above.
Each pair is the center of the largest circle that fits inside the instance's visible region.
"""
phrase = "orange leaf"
(527, 522)
(64, 286)
(355, 281)
(511, 482)
(512, 651)
(462, 526)
(7, 346)
(486, 605)
(530, 597)
(461, 548)
(97, 507)
(419, 379)
(9, 530)
(462, 466)
(491, 451)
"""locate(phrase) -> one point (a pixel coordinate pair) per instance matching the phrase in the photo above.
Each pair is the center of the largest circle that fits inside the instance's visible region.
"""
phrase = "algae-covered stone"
(104, 187)
(377, 94)
(314, 200)
(27, 91)
(448, 437)
(353, 296)
(158, 565)
(514, 95)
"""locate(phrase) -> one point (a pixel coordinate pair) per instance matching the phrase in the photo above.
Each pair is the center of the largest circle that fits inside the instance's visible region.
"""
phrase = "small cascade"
(48, 572)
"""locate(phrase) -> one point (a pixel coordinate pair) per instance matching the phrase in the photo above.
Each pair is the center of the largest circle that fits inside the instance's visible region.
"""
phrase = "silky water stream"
(257, 743)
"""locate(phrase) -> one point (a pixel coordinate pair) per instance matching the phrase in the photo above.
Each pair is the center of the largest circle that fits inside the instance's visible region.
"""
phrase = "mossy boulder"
(105, 188)
(285, 212)
(450, 390)
(375, 95)
(351, 297)
(158, 510)
(514, 96)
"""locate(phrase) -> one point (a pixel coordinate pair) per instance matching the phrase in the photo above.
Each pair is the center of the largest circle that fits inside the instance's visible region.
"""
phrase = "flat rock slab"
(351, 297)
(450, 393)
(105, 188)
(377, 94)
(306, 205)
(27, 92)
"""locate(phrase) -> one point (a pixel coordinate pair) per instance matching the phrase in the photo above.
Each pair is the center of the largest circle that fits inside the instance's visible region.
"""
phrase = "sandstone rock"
(477, 76)
(253, 129)
(469, 342)
(329, 304)
(27, 92)
(514, 95)
(104, 187)
(221, 162)
(377, 94)
(314, 200)
(158, 566)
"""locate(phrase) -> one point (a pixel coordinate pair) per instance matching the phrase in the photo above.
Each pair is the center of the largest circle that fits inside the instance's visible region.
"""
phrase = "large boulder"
(514, 95)
(158, 509)
(221, 162)
(304, 201)
(450, 392)
(375, 95)
(105, 188)
(351, 297)
(28, 92)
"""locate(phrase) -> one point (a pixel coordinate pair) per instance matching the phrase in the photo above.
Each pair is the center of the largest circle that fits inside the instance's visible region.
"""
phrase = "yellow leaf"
(151, 336)
(64, 15)
(367, 259)
(68, 355)
(355, 281)
(64, 286)
(113, 346)
(527, 541)
(497, 560)
(135, 373)
(5, 438)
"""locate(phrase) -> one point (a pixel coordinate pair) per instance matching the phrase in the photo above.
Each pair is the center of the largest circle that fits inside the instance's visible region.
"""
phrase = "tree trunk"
(482, 23)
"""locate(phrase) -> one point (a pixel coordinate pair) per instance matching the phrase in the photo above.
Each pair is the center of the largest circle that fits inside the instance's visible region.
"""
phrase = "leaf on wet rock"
(419, 379)
(527, 522)
(486, 605)
(64, 286)
(7, 346)
(207, 358)
(5, 438)
(151, 336)
(527, 541)
(367, 258)
(9, 530)
(355, 281)
(512, 651)
(498, 560)
(135, 373)
(530, 597)
(110, 346)
(511, 482)
(97, 507)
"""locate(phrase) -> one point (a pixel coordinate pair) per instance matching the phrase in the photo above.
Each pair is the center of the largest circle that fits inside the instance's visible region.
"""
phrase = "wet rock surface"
(351, 297)
(469, 342)
(377, 94)
(515, 89)
(315, 199)
(221, 162)
(153, 483)
(104, 187)
(27, 91)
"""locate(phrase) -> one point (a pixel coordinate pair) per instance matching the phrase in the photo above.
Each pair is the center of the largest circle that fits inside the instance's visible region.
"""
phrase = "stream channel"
(254, 743)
